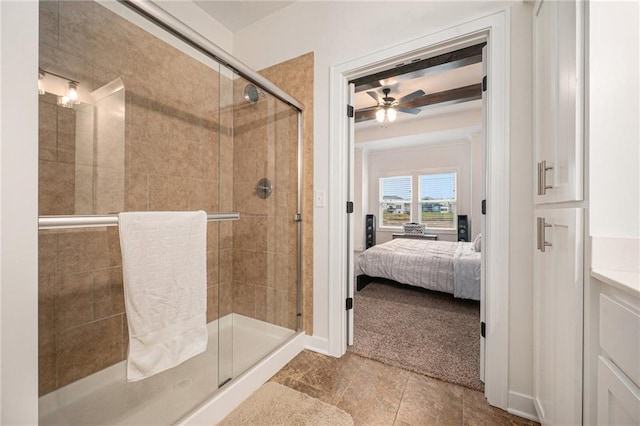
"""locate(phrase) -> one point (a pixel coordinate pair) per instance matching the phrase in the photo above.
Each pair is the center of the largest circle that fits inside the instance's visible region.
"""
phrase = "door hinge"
(484, 83)
(349, 206)
(350, 111)
(484, 206)
(349, 303)
(483, 329)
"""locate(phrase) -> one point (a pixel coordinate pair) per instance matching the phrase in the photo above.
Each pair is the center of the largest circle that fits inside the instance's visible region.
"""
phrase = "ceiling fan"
(388, 107)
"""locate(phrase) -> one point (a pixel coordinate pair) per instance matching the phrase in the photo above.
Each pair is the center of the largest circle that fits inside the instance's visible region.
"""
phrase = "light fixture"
(70, 98)
(387, 111)
(72, 94)
(40, 86)
(392, 113)
(386, 114)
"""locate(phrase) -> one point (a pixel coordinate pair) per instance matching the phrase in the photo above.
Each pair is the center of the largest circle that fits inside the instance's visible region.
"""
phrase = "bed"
(450, 267)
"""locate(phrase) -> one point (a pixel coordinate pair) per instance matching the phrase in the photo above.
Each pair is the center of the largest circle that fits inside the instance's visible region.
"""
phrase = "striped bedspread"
(433, 265)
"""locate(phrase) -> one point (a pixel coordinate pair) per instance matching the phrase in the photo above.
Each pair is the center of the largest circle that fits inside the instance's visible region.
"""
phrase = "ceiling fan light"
(392, 114)
(380, 115)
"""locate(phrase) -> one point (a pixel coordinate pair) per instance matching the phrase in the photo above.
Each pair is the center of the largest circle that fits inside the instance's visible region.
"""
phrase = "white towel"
(164, 263)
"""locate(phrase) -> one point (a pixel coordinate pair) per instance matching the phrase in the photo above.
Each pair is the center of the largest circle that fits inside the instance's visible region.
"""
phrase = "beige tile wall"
(295, 77)
(172, 150)
(182, 152)
(264, 240)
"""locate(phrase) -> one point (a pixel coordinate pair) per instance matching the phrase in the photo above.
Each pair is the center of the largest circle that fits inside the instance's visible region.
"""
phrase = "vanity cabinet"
(617, 359)
(618, 398)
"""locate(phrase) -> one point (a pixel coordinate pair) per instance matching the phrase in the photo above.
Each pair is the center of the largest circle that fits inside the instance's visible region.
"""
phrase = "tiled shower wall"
(182, 152)
(264, 263)
(172, 150)
(264, 249)
(296, 77)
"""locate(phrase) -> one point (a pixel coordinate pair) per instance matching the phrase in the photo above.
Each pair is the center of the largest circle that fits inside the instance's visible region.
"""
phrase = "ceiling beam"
(447, 61)
(447, 97)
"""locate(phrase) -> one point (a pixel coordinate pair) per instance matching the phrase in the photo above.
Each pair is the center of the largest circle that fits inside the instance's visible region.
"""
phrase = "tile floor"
(379, 394)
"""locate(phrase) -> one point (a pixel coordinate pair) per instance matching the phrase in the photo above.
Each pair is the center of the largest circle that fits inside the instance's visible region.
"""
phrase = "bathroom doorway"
(422, 162)
(492, 30)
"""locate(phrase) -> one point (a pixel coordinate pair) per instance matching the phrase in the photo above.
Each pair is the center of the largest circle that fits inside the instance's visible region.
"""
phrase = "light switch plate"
(319, 199)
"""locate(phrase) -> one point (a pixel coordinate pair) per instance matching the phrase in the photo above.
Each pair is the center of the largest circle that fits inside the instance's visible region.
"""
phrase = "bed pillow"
(477, 243)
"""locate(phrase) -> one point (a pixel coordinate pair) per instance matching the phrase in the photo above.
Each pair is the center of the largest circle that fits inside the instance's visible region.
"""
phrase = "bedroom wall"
(341, 31)
(453, 155)
(446, 125)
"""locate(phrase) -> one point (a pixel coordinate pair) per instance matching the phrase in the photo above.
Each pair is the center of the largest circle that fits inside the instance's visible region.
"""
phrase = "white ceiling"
(238, 14)
(235, 15)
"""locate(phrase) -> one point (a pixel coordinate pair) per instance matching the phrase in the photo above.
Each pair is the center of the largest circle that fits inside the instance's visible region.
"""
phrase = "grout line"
(395, 418)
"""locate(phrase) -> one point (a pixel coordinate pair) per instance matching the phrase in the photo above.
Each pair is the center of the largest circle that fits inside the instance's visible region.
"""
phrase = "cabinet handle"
(541, 237)
(542, 177)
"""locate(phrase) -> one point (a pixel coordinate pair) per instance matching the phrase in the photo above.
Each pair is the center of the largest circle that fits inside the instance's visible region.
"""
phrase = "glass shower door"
(259, 177)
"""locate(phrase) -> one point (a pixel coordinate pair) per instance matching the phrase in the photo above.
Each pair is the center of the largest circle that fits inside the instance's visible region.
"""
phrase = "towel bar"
(92, 221)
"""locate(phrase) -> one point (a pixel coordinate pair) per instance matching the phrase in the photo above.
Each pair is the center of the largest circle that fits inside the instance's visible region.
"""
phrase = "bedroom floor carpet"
(426, 332)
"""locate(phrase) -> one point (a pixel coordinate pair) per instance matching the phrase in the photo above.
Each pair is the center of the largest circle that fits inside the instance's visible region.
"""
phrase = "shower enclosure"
(147, 117)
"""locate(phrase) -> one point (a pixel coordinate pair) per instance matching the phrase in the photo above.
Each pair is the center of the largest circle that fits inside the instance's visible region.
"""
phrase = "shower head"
(251, 94)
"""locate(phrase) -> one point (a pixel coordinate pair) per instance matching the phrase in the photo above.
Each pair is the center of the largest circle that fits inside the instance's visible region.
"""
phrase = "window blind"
(437, 186)
(395, 188)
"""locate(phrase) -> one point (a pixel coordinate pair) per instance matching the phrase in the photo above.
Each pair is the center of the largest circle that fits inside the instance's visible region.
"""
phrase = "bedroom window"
(437, 200)
(395, 200)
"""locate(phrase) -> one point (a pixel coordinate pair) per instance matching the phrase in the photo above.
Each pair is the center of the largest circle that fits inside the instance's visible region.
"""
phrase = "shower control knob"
(264, 188)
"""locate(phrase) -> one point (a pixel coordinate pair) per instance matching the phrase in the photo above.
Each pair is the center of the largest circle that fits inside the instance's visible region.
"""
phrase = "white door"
(350, 228)
(558, 100)
(558, 296)
(483, 218)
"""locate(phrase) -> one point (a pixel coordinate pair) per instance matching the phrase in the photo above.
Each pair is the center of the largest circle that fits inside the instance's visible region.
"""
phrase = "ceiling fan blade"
(413, 111)
(371, 108)
(375, 96)
(411, 96)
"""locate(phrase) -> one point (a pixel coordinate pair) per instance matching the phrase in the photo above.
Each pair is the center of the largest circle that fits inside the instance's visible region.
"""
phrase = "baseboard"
(317, 344)
(522, 406)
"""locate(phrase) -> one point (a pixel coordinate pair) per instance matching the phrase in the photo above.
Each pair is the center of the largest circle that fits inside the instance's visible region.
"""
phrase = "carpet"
(276, 404)
(427, 332)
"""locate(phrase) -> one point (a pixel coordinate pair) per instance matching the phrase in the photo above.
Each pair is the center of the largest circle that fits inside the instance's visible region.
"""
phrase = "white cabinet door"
(558, 100)
(558, 286)
(618, 397)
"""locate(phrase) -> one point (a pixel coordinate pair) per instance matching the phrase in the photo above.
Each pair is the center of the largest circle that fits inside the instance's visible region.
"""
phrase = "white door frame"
(493, 28)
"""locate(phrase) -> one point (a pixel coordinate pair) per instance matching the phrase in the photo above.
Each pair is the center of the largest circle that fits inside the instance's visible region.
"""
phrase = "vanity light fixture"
(40, 86)
(70, 98)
